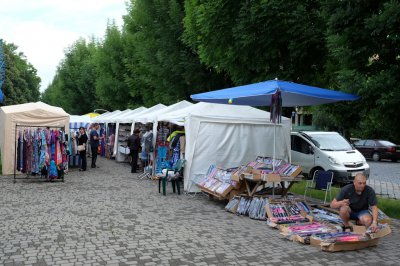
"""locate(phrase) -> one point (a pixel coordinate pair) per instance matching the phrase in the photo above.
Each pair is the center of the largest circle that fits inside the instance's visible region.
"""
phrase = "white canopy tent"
(126, 118)
(102, 117)
(152, 117)
(129, 116)
(227, 136)
(79, 119)
(36, 114)
(156, 107)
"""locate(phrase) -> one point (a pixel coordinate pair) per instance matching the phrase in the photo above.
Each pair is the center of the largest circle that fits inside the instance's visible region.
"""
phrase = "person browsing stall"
(134, 148)
(82, 140)
(94, 143)
(353, 202)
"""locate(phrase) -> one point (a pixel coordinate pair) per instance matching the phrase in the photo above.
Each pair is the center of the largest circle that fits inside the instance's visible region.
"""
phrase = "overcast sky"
(43, 29)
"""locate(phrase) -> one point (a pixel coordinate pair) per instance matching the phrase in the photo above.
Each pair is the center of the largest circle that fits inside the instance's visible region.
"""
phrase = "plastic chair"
(322, 180)
(175, 181)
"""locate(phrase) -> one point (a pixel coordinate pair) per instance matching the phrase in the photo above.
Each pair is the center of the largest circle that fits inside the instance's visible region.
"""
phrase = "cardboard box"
(373, 240)
(236, 177)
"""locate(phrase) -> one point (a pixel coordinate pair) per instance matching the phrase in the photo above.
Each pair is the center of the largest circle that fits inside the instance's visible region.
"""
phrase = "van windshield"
(330, 142)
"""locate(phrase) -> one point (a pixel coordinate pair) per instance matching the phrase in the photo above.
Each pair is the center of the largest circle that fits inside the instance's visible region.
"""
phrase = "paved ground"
(109, 217)
(385, 178)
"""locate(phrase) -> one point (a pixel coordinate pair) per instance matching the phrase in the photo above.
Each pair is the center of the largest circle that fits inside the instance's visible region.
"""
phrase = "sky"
(43, 29)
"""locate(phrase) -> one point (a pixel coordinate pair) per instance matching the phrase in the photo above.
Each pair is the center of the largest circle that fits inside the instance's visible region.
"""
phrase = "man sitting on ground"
(353, 202)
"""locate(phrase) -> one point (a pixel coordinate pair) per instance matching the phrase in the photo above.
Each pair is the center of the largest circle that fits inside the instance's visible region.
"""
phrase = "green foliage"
(363, 44)
(73, 87)
(111, 88)
(258, 40)
(170, 49)
(21, 84)
(165, 69)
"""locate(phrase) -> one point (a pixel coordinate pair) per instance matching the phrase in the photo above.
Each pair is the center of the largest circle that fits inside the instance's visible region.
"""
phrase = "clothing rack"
(15, 147)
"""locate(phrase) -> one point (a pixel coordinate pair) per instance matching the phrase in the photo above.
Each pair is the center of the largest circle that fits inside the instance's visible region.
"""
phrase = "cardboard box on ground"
(372, 240)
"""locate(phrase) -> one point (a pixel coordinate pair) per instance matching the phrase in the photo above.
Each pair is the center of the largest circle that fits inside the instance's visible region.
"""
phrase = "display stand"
(252, 186)
(146, 172)
(73, 158)
(122, 151)
(15, 154)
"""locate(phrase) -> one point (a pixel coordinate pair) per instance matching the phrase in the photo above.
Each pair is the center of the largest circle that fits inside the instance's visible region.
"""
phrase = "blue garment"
(93, 142)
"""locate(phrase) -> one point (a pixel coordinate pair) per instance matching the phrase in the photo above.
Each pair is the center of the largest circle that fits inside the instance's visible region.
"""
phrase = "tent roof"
(152, 117)
(27, 107)
(129, 116)
(79, 119)
(113, 118)
(101, 117)
(218, 111)
(150, 110)
(259, 94)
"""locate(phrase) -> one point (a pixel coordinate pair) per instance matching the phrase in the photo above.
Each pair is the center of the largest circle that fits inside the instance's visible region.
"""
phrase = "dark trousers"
(82, 155)
(134, 159)
(94, 155)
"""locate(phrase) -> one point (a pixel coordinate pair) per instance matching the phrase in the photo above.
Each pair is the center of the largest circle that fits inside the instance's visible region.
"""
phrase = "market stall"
(32, 115)
(226, 135)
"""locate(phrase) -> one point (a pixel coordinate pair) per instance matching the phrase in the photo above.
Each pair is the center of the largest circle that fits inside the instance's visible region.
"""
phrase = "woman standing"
(82, 140)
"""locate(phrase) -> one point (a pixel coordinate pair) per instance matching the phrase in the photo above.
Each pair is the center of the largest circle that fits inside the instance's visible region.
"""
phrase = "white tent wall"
(229, 144)
(32, 114)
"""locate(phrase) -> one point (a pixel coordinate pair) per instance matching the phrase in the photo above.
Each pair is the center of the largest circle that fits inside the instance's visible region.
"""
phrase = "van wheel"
(376, 157)
(311, 175)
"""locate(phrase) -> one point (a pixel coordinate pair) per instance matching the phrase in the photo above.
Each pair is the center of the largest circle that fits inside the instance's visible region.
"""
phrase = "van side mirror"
(310, 150)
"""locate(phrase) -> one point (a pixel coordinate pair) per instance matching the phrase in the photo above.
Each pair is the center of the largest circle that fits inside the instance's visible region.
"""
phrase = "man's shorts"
(357, 215)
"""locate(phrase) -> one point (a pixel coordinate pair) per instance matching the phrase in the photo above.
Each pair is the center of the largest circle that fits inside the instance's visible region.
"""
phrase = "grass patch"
(390, 207)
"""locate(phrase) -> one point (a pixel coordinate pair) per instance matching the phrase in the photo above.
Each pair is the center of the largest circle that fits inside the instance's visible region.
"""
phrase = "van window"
(330, 142)
(300, 145)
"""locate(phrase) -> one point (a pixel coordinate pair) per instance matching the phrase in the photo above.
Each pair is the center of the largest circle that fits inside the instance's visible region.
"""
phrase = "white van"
(329, 151)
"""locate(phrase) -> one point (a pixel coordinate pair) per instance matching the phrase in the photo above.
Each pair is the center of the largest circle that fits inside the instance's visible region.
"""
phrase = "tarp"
(293, 94)
(228, 136)
(32, 114)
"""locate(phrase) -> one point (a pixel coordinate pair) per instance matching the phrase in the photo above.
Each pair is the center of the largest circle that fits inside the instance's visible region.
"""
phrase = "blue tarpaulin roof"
(259, 94)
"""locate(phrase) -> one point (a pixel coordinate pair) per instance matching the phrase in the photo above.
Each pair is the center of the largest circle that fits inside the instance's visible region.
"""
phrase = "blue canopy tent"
(259, 94)
(274, 93)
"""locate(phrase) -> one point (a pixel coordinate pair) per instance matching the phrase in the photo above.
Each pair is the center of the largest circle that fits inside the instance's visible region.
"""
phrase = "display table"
(252, 186)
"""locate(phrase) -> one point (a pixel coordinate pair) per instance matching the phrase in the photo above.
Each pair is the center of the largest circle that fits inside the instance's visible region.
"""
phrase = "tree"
(73, 87)
(363, 44)
(21, 84)
(112, 91)
(163, 68)
(258, 40)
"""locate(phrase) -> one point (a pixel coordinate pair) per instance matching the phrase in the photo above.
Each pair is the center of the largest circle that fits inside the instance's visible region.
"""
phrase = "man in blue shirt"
(94, 143)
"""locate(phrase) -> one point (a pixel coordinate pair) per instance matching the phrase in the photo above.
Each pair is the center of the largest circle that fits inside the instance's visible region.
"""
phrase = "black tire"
(311, 175)
(376, 157)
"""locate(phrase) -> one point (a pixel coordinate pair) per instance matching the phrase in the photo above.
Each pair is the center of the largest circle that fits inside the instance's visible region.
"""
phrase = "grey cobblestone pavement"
(108, 216)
